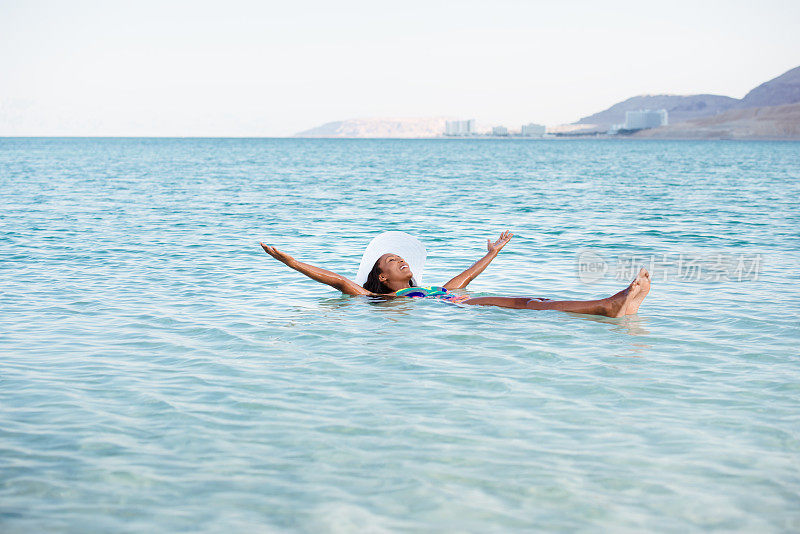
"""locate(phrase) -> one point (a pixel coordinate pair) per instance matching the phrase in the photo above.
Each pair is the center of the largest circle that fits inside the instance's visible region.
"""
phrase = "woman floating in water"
(384, 273)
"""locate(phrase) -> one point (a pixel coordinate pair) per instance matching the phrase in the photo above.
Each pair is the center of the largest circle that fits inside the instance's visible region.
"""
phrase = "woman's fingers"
(504, 238)
(277, 254)
(272, 251)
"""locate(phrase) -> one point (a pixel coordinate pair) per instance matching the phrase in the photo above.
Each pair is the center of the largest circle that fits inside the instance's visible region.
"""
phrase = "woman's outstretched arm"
(315, 273)
(461, 281)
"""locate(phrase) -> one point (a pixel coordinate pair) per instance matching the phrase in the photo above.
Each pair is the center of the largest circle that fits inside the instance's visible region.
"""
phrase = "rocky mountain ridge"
(785, 89)
(679, 107)
(766, 122)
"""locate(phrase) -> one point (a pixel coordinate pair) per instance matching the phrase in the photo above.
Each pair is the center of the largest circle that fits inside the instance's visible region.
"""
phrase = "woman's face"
(394, 269)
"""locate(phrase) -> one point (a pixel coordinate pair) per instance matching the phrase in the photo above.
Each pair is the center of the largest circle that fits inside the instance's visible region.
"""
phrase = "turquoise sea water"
(159, 372)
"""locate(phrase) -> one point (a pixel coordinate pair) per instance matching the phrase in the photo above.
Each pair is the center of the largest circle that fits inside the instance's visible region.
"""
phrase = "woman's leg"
(610, 307)
(625, 302)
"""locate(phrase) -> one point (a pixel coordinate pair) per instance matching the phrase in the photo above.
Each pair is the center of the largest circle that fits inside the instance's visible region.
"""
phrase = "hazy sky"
(262, 68)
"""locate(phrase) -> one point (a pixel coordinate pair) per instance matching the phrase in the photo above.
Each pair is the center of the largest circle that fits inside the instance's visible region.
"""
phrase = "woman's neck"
(397, 286)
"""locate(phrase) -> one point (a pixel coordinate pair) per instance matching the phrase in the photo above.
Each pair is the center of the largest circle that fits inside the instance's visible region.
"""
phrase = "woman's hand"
(277, 254)
(495, 247)
(461, 281)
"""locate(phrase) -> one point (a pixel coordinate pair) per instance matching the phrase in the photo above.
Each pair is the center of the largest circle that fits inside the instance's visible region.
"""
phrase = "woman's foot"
(644, 289)
(618, 305)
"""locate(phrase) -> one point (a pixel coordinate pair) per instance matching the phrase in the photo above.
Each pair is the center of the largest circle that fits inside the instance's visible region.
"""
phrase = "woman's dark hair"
(374, 284)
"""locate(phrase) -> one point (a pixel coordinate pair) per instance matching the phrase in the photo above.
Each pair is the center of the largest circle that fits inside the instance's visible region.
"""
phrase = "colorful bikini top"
(431, 291)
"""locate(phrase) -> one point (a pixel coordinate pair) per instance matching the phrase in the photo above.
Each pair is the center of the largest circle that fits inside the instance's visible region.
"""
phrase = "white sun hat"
(404, 245)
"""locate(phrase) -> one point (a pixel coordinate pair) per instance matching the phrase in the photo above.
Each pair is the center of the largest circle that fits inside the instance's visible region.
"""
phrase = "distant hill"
(785, 89)
(408, 128)
(769, 122)
(680, 108)
(684, 112)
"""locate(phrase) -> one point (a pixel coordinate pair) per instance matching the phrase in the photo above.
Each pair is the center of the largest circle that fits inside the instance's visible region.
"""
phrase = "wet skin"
(395, 274)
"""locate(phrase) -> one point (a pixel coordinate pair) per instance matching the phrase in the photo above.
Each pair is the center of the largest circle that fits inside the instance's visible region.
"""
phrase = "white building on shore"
(500, 131)
(533, 130)
(645, 118)
(460, 127)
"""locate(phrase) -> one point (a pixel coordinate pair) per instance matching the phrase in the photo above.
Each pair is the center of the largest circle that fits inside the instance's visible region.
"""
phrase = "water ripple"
(159, 372)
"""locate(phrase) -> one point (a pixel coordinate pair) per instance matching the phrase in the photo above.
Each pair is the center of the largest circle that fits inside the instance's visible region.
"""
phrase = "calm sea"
(159, 372)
